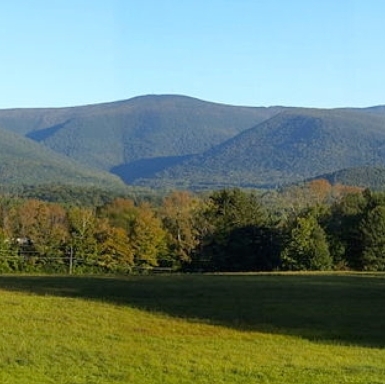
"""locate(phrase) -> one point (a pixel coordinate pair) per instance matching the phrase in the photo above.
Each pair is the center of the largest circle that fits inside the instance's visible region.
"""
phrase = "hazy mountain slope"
(372, 177)
(378, 109)
(23, 161)
(112, 135)
(178, 141)
(292, 146)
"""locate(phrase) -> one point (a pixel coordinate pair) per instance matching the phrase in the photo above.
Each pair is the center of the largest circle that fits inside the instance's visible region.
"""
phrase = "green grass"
(304, 328)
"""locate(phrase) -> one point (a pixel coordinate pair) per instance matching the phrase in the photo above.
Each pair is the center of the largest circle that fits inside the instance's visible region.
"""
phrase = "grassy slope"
(193, 329)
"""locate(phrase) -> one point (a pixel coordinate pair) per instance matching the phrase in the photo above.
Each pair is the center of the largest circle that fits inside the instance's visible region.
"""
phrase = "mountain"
(294, 145)
(22, 161)
(368, 177)
(178, 141)
(146, 133)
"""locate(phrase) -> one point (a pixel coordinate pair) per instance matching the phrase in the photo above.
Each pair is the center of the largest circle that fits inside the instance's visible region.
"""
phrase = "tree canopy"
(226, 230)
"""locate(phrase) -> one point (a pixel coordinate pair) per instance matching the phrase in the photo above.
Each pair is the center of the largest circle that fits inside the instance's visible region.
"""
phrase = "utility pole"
(71, 260)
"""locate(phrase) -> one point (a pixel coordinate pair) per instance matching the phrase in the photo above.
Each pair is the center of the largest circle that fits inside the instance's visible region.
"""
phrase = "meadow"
(246, 328)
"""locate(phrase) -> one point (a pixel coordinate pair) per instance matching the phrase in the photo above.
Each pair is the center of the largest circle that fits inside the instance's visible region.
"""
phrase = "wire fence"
(20, 260)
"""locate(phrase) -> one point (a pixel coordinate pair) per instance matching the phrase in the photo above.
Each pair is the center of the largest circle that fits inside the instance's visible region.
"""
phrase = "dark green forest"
(117, 137)
(314, 227)
(292, 146)
(369, 176)
(178, 142)
(23, 161)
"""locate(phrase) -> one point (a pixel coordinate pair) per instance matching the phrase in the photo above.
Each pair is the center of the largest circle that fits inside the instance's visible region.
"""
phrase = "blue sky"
(311, 53)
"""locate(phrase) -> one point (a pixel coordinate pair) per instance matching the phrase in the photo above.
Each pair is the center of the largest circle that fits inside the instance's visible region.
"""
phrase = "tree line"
(226, 230)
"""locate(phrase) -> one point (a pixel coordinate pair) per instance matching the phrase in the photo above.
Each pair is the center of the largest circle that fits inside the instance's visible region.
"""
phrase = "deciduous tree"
(147, 237)
(115, 253)
(82, 227)
(179, 213)
(45, 224)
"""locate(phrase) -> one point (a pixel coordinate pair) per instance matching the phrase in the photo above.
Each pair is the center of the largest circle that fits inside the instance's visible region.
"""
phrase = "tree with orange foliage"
(45, 224)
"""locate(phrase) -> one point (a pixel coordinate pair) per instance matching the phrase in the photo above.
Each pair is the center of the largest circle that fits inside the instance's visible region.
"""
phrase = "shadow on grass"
(347, 309)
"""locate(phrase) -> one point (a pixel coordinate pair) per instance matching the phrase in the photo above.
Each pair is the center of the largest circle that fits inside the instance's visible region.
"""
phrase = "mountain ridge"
(25, 162)
(109, 135)
(178, 141)
(301, 133)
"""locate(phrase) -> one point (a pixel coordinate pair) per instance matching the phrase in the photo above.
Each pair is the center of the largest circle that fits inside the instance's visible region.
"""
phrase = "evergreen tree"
(343, 228)
(373, 239)
(307, 246)
(234, 241)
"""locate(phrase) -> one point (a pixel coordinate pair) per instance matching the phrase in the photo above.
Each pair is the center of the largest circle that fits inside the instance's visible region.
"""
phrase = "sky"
(305, 53)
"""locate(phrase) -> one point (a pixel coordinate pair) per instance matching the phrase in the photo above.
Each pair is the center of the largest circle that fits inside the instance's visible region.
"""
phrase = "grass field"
(304, 328)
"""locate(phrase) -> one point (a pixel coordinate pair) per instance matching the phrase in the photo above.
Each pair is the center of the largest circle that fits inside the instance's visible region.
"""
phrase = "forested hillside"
(115, 135)
(372, 177)
(171, 141)
(289, 147)
(24, 162)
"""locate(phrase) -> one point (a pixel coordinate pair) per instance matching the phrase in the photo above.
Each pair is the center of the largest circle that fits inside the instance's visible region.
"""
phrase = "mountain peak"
(181, 141)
